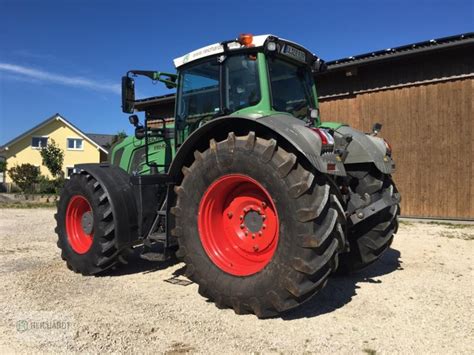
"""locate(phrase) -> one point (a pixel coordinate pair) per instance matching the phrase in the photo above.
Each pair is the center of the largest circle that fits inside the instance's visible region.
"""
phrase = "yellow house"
(78, 147)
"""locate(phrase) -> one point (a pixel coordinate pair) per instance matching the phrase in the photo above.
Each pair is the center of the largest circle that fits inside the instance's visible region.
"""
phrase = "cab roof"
(217, 48)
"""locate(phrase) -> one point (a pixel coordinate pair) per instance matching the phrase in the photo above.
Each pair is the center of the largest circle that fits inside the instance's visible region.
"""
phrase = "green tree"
(120, 136)
(53, 158)
(25, 176)
(117, 138)
(3, 166)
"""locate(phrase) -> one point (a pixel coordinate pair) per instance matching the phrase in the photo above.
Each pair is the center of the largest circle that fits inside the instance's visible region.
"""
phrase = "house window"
(39, 142)
(69, 171)
(74, 144)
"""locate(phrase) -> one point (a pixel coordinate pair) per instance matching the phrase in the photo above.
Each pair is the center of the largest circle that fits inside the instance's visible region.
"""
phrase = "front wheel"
(258, 232)
(86, 226)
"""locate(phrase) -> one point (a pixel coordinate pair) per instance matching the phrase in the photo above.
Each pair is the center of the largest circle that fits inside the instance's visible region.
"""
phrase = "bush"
(47, 186)
(25, 176)
(14, 189)
(59, 184)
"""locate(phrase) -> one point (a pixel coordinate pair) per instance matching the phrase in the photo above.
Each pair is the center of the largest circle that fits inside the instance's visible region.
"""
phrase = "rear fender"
(285, 128)
(366, 149)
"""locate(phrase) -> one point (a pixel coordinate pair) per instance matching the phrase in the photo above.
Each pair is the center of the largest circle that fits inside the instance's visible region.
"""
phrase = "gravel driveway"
(417, 299)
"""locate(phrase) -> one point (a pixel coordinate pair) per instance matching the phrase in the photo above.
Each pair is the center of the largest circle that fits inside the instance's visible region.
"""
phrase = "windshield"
(200, 85)
(292, 88)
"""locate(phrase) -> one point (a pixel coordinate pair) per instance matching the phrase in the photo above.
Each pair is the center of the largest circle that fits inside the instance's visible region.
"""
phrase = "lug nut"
(264, 226)
(260, 233)
(241, 217)
(253, 235)
(229, 214)
(255, 247)
(259, 210)
(264, 204)
(246, 233)
(360, 215)
(242, 226)
(264, 217)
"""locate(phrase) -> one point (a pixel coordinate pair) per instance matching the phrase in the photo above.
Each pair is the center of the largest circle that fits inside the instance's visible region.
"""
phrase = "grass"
(27, 204)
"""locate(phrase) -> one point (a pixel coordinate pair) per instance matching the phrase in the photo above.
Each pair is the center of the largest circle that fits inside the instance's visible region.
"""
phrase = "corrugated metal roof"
(409, 49)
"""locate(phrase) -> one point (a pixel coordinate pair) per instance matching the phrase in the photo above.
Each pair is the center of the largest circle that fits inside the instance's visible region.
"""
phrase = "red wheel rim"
(79, 223)
(238, 225)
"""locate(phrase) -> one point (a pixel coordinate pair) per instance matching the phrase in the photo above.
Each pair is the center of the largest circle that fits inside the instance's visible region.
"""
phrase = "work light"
(271, 46)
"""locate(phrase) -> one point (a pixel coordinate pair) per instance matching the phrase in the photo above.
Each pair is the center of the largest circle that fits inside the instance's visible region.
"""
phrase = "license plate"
(294, 53)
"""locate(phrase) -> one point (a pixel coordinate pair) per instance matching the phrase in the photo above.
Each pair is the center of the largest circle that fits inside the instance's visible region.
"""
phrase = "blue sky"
(68, 56)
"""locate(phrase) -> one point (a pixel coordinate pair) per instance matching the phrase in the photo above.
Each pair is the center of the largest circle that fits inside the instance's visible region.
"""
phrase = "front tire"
(86, 226)
(227, 195)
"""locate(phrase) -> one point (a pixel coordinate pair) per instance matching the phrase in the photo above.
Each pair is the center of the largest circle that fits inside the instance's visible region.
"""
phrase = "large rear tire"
(86, 226)
(371, 237)
(258, 232)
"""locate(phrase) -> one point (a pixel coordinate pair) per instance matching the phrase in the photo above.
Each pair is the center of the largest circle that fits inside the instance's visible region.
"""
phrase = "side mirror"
(128, 94)
(376, 128)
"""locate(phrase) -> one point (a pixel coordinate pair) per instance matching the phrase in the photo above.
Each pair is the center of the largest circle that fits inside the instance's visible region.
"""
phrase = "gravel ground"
(417, 299)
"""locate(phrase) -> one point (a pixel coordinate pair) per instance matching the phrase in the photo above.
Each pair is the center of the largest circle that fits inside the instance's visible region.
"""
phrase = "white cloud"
(46, 76)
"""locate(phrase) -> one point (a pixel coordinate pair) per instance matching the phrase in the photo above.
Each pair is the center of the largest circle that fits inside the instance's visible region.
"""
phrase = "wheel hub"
(253, 221)
(87, 222)
(238, 224)
(79, 224)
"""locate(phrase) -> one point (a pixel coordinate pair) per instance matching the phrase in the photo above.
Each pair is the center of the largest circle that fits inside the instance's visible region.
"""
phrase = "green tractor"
(259, 198)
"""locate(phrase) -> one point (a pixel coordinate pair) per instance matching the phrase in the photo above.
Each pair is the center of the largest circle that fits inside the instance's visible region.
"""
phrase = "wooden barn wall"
(431, 130)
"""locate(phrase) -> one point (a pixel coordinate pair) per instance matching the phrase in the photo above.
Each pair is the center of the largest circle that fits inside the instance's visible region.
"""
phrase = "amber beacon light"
(246, 39)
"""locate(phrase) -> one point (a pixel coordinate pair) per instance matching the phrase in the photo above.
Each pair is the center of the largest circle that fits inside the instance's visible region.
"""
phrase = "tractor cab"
(250, 76)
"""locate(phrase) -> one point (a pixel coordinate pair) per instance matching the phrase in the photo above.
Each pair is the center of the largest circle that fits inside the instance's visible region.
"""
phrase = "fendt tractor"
(261, 199)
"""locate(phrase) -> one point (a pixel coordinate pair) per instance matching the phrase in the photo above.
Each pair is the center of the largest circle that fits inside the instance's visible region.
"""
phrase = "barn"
(422, 93)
